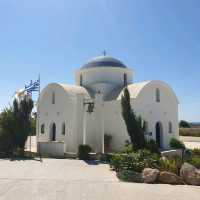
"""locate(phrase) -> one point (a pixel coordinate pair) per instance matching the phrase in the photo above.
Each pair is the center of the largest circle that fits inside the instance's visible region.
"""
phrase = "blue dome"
(103, 61)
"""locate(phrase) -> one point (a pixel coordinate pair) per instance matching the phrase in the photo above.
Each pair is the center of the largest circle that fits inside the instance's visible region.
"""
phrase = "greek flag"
(33, 87)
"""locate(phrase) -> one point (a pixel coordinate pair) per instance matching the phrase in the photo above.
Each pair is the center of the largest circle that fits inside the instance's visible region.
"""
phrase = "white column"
(84, 125)
(38, 127)
(102, 124)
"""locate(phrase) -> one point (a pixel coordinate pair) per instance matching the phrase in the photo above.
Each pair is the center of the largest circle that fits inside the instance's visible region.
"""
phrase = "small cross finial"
(104, 53)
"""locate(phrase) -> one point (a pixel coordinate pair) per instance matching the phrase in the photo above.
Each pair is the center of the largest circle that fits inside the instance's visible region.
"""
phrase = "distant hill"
(195, 124)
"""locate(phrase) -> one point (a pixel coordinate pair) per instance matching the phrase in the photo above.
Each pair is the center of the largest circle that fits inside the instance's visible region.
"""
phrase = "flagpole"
(38, 126)
(34, 87)
(30, 133)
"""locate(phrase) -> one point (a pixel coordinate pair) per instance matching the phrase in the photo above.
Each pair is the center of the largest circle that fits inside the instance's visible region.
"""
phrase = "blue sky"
(158, 39)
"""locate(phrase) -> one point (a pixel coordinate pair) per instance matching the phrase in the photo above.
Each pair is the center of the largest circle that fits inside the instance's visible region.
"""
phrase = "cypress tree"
(133, 123)
(22, 113)
(15, 126)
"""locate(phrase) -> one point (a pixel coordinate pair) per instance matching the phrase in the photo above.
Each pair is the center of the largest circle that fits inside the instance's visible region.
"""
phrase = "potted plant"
(107, 142)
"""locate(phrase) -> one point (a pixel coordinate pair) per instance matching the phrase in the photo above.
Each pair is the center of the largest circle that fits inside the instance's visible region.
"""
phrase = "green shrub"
(83, 151)
(184, 124)
(135, 161)
(195, 161)
(171, 165)
(128, 148)
(130, 176)
(108, 157)
(195, 157)
(7, 146)
(152, 146)
(116, 161)
(187, 155)
(176, 144)
(15, 126)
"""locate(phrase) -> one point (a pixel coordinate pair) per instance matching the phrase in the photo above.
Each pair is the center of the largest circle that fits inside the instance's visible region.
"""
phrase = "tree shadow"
(94, 162)
(21, 158)
(25, 159)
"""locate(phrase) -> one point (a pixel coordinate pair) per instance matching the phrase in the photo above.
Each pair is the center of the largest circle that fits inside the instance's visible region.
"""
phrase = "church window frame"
(81, 80)
(146, 126)
(42, 129)
(53, 100)
(125, 79)
(157, 95)
(170, 127)
(63, 128)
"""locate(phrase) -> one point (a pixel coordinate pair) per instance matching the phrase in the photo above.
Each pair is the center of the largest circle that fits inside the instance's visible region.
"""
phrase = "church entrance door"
(159, 134)
(53, 132)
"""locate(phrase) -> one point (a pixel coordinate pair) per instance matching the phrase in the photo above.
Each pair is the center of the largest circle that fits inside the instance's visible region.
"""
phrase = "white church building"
(70, 115)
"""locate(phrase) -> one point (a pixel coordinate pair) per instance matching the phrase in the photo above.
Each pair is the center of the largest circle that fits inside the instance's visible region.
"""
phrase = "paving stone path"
(77, 180)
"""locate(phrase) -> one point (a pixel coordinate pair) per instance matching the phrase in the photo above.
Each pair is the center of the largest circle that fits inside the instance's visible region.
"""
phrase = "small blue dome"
(103, 61)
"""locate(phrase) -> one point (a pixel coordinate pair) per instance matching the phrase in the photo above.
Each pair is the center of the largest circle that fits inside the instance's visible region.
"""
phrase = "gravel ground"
(74, 180)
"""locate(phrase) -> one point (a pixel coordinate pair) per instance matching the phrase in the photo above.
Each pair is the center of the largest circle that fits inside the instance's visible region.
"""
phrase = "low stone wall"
(52, 149)
(172, 153)
(71, 155)
(189, 139)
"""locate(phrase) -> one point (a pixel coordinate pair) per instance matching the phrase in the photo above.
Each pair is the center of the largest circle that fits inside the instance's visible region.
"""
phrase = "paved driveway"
(74, 179)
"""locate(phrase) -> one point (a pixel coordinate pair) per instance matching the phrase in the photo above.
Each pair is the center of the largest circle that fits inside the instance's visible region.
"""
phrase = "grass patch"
(195, 161)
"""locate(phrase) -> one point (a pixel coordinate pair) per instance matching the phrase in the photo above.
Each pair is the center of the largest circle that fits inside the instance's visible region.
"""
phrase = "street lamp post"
(102, 118)
(90, 109)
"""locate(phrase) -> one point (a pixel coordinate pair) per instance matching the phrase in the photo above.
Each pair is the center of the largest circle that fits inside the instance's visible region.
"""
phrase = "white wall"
(69, 108)
(150, 110)
(94, 125)
(164, 111)
(65, 110)
(55, 149)
(114, 124)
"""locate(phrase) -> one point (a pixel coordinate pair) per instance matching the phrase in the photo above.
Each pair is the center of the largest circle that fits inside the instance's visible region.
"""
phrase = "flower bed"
(139, 166)
(135, 161)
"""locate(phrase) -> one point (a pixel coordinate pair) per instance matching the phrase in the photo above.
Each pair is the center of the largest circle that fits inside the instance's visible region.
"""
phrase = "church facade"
(70, 115)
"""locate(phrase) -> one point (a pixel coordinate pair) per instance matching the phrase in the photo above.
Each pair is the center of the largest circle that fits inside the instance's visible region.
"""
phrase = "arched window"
(42, 129)
(170, 127)
(81, 80)
(146, 128)
(157, 95)
(53, 98)
(125, 79)
(63, 128)
(159, 134)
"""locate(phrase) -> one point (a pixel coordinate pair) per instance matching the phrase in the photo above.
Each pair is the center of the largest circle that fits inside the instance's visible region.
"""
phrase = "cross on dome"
(104, 52)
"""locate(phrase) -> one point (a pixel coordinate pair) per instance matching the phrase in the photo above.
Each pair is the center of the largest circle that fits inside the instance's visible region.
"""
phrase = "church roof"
(136, 88)
(103, 61)
(74, 89)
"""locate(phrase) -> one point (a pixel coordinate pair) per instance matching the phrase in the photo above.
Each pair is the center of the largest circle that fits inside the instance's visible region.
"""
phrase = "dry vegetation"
(195, 132)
